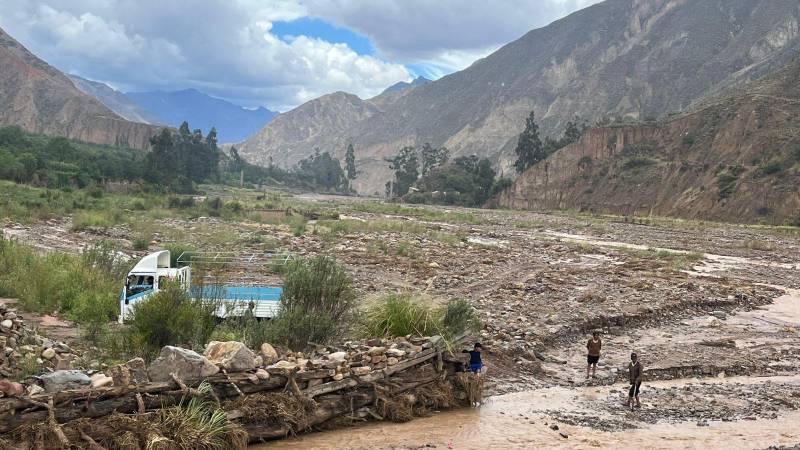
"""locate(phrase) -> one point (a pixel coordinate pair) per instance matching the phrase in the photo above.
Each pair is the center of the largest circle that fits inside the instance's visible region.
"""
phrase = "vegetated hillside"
(40, 99)
(735, 158)
(115, 100)
(233, 122)
(634, 58)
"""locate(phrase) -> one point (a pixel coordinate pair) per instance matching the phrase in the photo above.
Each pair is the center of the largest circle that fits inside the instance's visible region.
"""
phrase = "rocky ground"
(696, 300)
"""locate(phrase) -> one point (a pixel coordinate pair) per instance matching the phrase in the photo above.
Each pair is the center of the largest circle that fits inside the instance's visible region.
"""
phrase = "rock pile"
(357, 358)
(24, 352)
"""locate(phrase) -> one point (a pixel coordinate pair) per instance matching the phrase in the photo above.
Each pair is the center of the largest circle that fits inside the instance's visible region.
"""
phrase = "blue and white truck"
(246, 284)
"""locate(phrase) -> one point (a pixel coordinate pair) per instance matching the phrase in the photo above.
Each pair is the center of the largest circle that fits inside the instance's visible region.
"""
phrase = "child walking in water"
(593, 347)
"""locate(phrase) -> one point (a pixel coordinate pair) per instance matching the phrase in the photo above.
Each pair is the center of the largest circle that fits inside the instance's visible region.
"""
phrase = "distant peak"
(403, 85)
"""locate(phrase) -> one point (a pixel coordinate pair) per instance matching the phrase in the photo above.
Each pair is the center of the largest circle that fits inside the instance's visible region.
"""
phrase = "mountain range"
(116, 101)
(234, 123)
(39, 98)
(631, 59)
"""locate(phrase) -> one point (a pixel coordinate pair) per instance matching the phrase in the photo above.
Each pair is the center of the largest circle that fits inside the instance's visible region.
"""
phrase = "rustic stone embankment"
(266, 394)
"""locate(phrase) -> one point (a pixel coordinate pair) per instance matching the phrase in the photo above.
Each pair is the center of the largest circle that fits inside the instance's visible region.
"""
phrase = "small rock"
(48, 353)
(286, 365)
(138, 370)
(62, 380)
(391, 361)
(262, 374)
(11, 388)
(554, 427)
(101, 380)
(376, 351)
(35, 389)
(563, 435)
(7, 324)
(361, 370)
(338, 377)
(120, 375)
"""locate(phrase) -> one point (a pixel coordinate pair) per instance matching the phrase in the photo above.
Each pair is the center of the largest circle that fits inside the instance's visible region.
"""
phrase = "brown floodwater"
(517, 421)
(511, 422)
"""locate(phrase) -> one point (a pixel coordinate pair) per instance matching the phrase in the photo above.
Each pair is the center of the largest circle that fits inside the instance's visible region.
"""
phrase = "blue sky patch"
(316, 28)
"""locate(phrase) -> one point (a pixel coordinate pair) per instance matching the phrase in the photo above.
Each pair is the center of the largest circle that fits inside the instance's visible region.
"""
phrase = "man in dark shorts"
(635, 371)
(475, 362)
(593, 346)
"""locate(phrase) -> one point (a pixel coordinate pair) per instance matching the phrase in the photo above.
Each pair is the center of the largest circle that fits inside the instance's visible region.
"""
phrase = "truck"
(236, 282)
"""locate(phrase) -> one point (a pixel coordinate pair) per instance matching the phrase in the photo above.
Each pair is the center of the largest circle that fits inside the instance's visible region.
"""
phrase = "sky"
(273, 53)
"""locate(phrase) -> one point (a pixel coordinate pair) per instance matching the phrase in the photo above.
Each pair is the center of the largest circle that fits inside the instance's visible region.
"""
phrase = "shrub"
(93, 311)
(317, 303)
(459, 316)
(170, 317)
(86, 219)
(637, 162)
(688, 140)
(726, 180)
(52, 281)
(405, 314)
(400, 315)
(197, 424)
(141, 242)
(771, 167)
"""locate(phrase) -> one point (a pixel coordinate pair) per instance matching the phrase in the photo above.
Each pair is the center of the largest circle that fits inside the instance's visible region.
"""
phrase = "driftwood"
(354, 397)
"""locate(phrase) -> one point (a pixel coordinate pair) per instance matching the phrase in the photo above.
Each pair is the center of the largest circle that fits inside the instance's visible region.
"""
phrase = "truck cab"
(148, 276)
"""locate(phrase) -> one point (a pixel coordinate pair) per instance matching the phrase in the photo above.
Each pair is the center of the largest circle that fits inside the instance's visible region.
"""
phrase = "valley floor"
(713, 310)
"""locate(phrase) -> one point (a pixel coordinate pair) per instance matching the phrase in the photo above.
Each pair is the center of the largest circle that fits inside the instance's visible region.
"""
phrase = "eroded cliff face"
(40, 99)
(734, 159)
(627, 58)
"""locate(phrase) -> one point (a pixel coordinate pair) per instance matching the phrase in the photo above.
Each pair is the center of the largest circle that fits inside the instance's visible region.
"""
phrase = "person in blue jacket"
(475, 362)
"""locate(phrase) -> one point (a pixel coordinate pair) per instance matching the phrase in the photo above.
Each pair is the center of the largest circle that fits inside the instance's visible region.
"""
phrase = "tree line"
(428, 175)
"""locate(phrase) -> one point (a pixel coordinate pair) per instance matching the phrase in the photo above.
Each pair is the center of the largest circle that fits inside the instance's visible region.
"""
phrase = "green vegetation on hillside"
(178, 162)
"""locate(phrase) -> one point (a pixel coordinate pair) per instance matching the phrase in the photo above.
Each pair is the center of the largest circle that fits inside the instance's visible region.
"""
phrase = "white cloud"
(224, 47)
(442, 34)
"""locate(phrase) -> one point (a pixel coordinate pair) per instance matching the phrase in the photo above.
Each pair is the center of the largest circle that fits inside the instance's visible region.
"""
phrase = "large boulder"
(62, 380)
(232, 356)
(185, 364)
(268, 353)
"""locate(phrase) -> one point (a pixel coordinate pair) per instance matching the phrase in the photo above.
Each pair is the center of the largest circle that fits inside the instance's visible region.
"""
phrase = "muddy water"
(515, 421)
(520, 420)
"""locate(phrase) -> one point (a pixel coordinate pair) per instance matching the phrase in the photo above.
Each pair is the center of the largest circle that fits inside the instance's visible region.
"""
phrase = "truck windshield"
(138, 284)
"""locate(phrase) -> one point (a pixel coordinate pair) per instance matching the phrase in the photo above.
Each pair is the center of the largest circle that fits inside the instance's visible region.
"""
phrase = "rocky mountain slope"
(630, 58)
(115, 100)
(41, 99)
(233, 122)
(734, 158)
(402, 85)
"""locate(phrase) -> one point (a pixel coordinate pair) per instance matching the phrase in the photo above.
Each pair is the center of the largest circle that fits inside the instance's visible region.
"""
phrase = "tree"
(433, 157)
(350, 162)
(406, 170)
(321, 170)
(529, 146)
